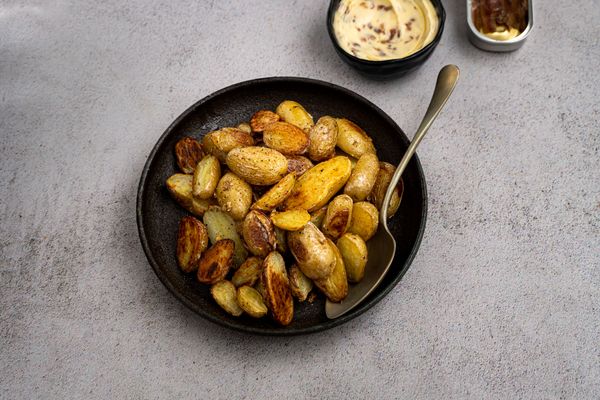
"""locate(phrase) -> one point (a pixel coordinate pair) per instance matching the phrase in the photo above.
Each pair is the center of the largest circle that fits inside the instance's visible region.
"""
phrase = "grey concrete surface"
(502, 301)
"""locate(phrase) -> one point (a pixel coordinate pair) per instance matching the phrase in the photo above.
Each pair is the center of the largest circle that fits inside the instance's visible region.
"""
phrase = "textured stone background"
(502, 301)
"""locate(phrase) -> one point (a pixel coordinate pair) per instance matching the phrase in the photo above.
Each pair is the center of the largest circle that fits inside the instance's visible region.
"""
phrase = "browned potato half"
(335, 285)
(215, 262)
(277, 194)
(206, 177)
(281, 239)
(285, 138)
(354, 252)
(384, 177)
(220, 142)
(234, 195)
(363, 177)
(248, 273)
(220, 226)
(314, 189)
(225, 295)
(258, 165)
(277, 291)
(312, 252)
(323, 138)
(244, 126)
(299, 283)
(295, 114)
(180, 188)
(338, 216)
(291, 220)
(251, 302)
(365, 219)
(192, 240)
(261, 119)
(299, 164)
(352, 139)
(258, 233)
(188, 152)
(318, 216)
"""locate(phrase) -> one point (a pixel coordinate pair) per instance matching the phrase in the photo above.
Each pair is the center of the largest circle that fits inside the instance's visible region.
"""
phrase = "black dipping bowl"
(388, 68)
(158, 215)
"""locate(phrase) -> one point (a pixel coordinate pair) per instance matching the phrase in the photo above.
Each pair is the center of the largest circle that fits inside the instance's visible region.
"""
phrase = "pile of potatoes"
(279, 189)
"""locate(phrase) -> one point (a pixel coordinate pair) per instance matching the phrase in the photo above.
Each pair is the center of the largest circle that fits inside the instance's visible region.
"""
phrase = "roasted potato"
(335, 285)
(276, 195)
(234, 195)
(248, 273)
(216, 262)
(295, 114)
(258, 233)
(206, 177)
(314, 189)
(291, 220)
(244, 126)
(352, 139)
(363, 176)
(180, 188)
(299, 164)
(354, 253)
(251, 302)
(281, 239)
(261, 119)
(299, 283)
(225, 295)
(338, 216)
(258, 165)
(188, 153)
(365, 220)
(384, 177)
(277, 293)
(220, 142)
(323, 138)
(192, 240)
(318, 216)
(220, 225)
(313, 254)
(285, 138)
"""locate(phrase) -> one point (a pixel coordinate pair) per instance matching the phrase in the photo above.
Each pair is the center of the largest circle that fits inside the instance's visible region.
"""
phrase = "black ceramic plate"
(158, 215)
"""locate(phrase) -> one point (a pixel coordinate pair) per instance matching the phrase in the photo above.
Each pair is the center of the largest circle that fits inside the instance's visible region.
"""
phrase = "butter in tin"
(492, 41)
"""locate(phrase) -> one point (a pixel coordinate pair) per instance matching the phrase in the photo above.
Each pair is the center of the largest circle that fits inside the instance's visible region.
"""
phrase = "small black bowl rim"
(364, 306)
(394, 61)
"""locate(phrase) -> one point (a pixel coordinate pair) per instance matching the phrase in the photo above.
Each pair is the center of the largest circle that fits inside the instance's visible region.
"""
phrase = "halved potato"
(220, 142)
(180, 188)
(354, 253)
(291, 220)
(335, 285)
(192, 240)
(277, 194)
(258, 165)
(234, 195)
(285, 138)
(220, 226)
(258, 233)
(225, 295)
(338, 216)
(295, 114)
(311, 251)
(299, 164)
(365, 219)
(251, 302)
(323, 138)
(244, 126)
(384, 177)
(277, 291)
(216, 262)
(299, 283)
(188, 153)
(363, 177)
(261, 119)
(206, 177)
(248, 273)
(352, 139)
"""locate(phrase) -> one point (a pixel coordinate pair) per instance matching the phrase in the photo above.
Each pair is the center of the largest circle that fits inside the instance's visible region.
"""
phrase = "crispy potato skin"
(363, 177)
(206, 177)
(220, 225)
(234, 195)
(354, 253)
(285, 138)
(251, 301)
(352, 139)
(261, 119)
(258, 165)
(291, 220)
(215, 262)
(220, 142)
(188, 153)
(225, 294)
(365, 220)
(309, 247)
(299, 164)
(192, 240)
(292, 112)
(335, 285)
(248, 273)
(277, 291)
(300, 285)
(276, 195)
(323, 138)
(337, 217)
(384, 177)
(258, 233)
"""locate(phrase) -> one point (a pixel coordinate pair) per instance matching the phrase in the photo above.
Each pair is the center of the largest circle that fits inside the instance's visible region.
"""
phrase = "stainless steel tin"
(486, 43)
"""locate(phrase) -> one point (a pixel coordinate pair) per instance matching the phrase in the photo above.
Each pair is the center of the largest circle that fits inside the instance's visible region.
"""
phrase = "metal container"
(489, 44)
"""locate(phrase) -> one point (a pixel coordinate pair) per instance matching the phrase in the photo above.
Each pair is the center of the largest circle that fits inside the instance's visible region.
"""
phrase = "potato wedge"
(363, 177)
(258, 165)
(277, 293)
(180, 188)
(225, 295)
(248, 273)
(291, 220)
(244, 126)
(192, 240)
(220, 142)
(276, 195)
(206, 177)
(335, 286)
(314, 189)
(261, 119)
(300, 285)
(365, 220)
(234, 195)
(299, 164)
(309, 247)
(318, 216)
(384, 177)
(220, 226)
(352, 139)
(251, 302)
(286, 138)
(295, 114)
(323, 138)
(354, 253)
(258, 233)
(188, 153)
(338, 216)
(281, 239)
(216, 262)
